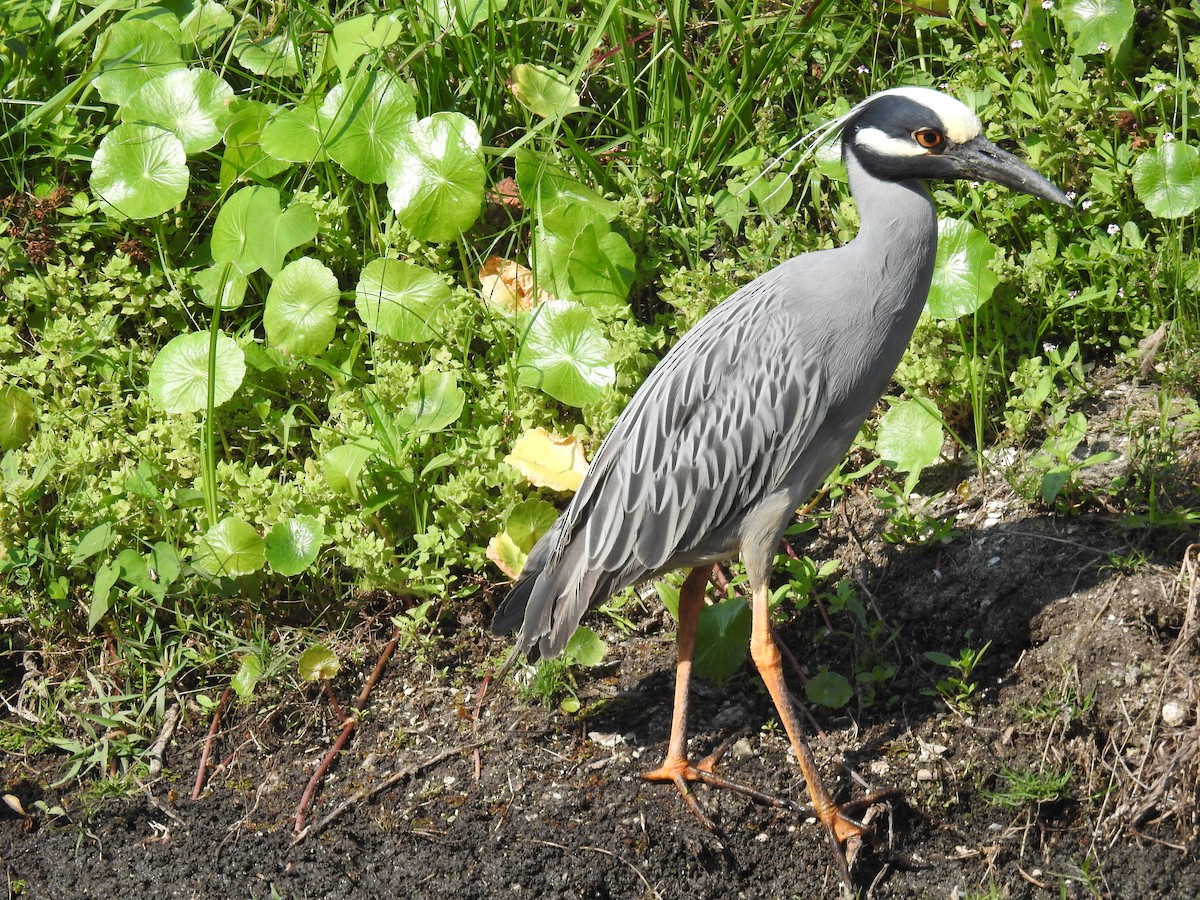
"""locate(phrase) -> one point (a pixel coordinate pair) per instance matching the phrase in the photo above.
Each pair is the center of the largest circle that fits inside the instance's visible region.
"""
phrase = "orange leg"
(676, 768)
(840, 827)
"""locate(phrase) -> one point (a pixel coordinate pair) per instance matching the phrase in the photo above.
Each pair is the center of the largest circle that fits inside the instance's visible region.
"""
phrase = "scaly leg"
(676, 768)
(839, 826)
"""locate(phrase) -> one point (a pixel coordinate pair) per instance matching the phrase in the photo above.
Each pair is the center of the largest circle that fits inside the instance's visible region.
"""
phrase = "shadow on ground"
(1090, 673)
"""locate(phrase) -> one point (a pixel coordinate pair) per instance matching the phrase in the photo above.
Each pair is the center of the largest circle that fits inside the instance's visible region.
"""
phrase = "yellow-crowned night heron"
(751, 410)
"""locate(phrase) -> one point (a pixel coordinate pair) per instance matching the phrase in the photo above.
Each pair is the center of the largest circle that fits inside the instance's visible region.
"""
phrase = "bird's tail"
(551, 595)
(514, 611)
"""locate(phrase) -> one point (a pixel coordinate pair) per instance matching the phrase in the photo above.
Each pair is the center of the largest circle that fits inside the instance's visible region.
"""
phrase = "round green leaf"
(1167, 180)
(193, 104)
(242, 213)
(301, 309)
(204, 23)
(230, 548)
(368, 120)
(354, 37)
(179, 375)
(578, 257)
(293, 135)
(434, 403)
(544, 184)
(1094, 26)
(400, 299)
(318, 663)
(722, 638)
(244, 156)
(251, 232)
(222, 280)
(248, 674)
(130, 53)
(16, 417)
(436, 183)
(159, 16)
(528, 521)
(566, 354)
(293, 545)
(342, 466)
(585, 647)
(829, 689)
(962, 281)
(274, 55)
(910, 436)
(139, 171)
(543, 92)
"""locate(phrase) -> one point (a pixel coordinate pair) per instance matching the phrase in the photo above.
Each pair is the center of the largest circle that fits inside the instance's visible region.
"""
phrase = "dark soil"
(1091, 670)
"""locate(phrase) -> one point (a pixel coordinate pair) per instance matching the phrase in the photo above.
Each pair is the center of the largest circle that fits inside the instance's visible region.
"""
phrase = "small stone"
(924, 775)
(1174, 712)
(742, 749)
(606, 740)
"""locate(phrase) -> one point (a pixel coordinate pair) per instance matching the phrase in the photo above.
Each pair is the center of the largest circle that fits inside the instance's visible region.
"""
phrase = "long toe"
(682, 773)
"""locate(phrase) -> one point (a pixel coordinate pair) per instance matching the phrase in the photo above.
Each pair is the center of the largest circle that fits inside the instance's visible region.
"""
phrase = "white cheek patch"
(885, 145)
(961, 124)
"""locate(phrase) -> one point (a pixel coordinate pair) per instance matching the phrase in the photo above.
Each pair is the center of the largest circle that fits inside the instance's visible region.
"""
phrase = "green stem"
(208, 454)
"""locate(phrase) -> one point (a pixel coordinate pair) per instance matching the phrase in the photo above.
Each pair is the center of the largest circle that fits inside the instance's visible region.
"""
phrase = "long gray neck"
(897, 238)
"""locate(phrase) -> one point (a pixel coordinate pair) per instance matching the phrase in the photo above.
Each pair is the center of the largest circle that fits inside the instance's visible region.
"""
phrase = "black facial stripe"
(896, 116)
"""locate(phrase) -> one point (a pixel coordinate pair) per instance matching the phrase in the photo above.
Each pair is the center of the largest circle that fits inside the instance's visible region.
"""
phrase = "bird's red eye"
(929, 138)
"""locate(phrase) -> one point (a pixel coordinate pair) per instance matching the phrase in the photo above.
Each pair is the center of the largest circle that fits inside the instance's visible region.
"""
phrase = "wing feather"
(720, 424)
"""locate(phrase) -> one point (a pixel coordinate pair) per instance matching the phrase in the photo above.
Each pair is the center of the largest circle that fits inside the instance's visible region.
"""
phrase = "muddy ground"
(1091, 672)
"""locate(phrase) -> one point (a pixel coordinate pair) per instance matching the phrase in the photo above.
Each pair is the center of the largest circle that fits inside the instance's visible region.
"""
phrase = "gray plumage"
(747, 414)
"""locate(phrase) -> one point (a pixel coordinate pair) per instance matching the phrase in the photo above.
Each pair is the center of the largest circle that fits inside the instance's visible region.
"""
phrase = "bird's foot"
(848, 834)
(680, 772)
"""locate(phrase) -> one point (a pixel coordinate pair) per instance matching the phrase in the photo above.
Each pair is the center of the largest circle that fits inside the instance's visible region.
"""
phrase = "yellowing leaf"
(549, 460)
(509, 285)
(508, 557)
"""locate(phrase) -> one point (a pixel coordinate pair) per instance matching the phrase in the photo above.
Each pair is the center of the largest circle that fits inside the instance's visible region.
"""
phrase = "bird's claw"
(847, 835)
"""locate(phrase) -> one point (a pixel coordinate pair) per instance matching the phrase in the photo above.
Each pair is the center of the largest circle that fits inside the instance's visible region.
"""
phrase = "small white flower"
(1048, 347)
(1102, 47)
(1159, 88)
(1047, 4)
(1168, 137)
(1120, 292)
(863, 70)
(1072, 294)
(974, 184)
(1114, 228)
(1016, 45)
(1071, 195)
(1086, 204)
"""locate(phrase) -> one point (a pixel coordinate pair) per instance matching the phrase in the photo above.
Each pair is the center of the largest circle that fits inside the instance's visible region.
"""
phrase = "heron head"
(913, 132)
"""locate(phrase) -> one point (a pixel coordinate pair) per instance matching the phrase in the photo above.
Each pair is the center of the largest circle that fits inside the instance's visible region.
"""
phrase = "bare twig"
(368, 793)
(347, 727)
(202, 771)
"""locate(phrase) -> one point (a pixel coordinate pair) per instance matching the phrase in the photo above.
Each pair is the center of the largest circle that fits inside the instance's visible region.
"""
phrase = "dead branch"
(155, 753)
(368, 793)
(202, 771)
(347, 727)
